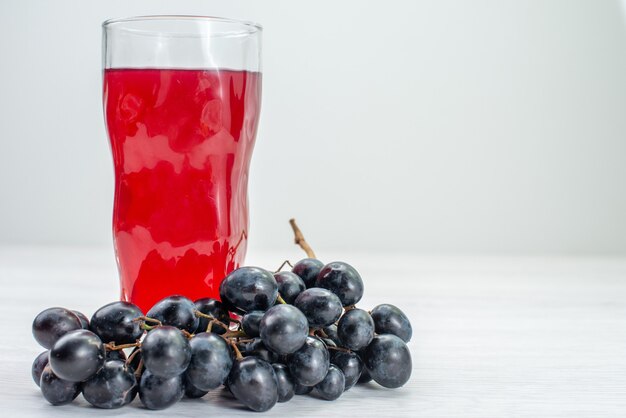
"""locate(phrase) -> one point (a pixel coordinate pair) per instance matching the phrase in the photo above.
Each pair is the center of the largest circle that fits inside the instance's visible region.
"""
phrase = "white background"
(435, 127)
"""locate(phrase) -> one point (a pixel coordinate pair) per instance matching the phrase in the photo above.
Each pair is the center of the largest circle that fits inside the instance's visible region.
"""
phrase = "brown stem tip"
(299, 239)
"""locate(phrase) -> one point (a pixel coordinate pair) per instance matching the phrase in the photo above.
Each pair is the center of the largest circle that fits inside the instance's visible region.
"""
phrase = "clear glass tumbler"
(182, 97)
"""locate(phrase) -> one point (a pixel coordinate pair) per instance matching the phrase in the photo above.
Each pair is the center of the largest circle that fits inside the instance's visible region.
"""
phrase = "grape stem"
(139, 368)
(321, 333)
(148, 319)
(212, 320)
(113, 347)
(283, 265)
(234, 334)
(349, 307)
(132, 355)
(236, 349)
(280, 299)
(299, 239)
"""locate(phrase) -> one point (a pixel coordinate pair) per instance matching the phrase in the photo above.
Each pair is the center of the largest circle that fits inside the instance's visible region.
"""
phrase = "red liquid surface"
(182, 142)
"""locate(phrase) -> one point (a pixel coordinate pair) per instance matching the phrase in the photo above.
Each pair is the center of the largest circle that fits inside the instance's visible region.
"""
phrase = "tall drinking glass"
(181, 99)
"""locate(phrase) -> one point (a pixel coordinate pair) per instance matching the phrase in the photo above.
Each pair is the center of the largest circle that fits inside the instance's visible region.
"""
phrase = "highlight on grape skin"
(260, 346)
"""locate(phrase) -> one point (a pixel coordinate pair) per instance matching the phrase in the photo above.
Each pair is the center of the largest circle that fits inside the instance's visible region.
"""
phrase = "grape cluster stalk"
(271, 336)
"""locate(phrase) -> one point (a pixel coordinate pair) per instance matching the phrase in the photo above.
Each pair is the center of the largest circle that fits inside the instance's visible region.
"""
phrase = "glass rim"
(252, 27)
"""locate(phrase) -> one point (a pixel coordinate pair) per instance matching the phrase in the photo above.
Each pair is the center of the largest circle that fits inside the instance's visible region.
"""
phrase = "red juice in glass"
(182, 140)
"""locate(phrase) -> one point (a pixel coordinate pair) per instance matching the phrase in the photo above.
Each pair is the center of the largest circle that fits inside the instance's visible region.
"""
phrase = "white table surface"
(492, 337)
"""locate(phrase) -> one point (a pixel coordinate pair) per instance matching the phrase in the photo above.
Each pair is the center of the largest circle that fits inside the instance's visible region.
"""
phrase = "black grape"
(51, 324)
(299, 389)
(112, 387)
(56, 390)
(350, 364)
(308, 269)
(332, 386)
(158, 392)
(343, 280)
(284, 329)
(166, 352)
(253, 382)
(176, 311)
(115, 322)
(116, 355)
(211, 361)
(250, 323)
(249, 289)
(191, 391)
(77, 355)
(258, 349)
(84, 322)
(309, 364)
(331, 331)
(320, 306)
(284, 381)
(365, 376)
(388, 361)
(389, 319)
(216, 309)
(355, 329)
(40, 362)
(290, 285)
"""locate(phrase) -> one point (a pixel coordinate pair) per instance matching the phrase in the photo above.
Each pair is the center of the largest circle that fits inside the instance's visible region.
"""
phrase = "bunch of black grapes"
(270, 337)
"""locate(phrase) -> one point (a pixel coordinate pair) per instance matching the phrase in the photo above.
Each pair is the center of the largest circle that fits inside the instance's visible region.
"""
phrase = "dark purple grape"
(284, 329)
(355, 329)
(320, 306)
(41, 361)
(77, 355)
(350, 364)
(166, 352)
(176, 311)
(365, 376)
(56, 390)
(116, 355)
(343, 280)
(290, 285)
(216, 309)
(211, 361)
(299, 389)
(331, 331)
(253, 383)
(258, 349)
(250, 323)
(246, 346)
(112, 387)
(309, 364)
(52, 324)
(249, 289)
(191, 391)
(116, 323)
(84, 322)
(308, 269)
(332, 386)
(284, 381)
(389, 319)
(388, 361)
(158, 392)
